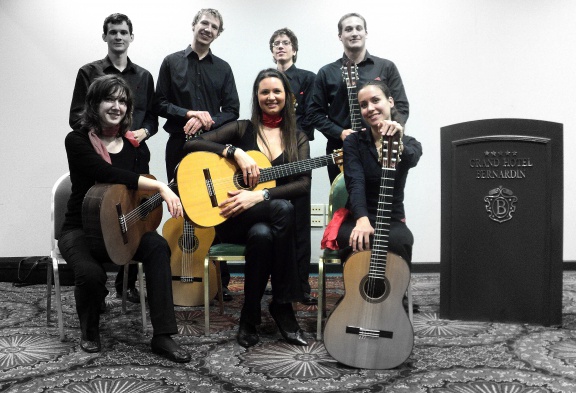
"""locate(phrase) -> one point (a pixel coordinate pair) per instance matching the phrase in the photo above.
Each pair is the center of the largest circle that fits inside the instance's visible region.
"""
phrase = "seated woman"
(264, 219)
(363, 171)
(100, 152)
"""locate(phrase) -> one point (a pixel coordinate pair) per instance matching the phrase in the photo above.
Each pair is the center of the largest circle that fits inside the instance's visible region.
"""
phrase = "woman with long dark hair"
(264, 219)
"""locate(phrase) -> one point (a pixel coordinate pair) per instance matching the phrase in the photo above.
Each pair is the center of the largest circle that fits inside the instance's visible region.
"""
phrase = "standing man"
(284, 48)
(329, 109)
(118, 36)
(196, 92)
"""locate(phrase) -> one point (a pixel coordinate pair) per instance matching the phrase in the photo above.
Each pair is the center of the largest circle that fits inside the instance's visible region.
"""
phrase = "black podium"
(502, 217)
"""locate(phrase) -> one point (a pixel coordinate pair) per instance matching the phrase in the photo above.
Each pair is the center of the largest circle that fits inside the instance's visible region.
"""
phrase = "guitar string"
(271, 173)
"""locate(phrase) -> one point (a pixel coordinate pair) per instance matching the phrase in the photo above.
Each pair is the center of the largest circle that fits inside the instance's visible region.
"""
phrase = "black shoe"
(132, 295)
(247, 335)
(166, 347)
(283, 315)
(309, 300)
(226, 295)
(90, 346)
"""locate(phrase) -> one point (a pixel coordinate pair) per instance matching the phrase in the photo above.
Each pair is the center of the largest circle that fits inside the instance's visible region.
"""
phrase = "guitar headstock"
(338, 157)
(350, 73)
(390, 151)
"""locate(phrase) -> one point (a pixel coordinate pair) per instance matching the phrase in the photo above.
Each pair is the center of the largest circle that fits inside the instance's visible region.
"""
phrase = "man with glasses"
(118, 36)
(284, 48)
(329, 111)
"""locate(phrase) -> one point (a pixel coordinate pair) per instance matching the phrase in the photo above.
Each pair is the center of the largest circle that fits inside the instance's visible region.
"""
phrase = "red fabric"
(99, 146)
(130, 136)
(331, 231)
(271, 121)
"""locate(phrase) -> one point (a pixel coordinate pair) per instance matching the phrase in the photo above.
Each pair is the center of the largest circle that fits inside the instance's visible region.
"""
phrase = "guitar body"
(102, 226)
(189, 248)
(201, 200)
(385, 338)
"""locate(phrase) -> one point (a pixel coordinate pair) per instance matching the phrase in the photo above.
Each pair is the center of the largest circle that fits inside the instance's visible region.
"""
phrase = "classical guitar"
(369, 327)
(115, 218)
(350, 77)
(206, 178)
(189, 245)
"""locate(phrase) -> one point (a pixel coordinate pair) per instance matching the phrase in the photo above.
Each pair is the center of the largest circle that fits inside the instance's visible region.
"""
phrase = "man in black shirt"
(118, 36)
(329, 111)
(196, 90)
(284, 48)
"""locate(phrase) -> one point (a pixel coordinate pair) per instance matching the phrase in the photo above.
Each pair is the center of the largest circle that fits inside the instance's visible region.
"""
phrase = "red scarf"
(271, 121)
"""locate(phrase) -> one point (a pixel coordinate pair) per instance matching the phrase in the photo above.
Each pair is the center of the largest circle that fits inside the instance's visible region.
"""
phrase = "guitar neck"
(144, 208)
(379, 253)
(292, 168)
(355, 119)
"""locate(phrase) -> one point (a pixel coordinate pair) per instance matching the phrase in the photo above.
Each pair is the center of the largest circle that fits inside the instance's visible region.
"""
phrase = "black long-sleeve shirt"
(87, 168)
(187, 83)
(242, 134)
(329, 111)
(363, 173)
(302, 84)
(140, 81)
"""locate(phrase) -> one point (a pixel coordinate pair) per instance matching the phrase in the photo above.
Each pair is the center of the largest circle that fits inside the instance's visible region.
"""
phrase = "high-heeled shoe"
(247, 335)
(283, 315)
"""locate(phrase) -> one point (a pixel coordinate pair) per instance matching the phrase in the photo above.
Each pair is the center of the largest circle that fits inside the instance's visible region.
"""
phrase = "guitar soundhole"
(188, 245)
(374, 290)
(239, 181)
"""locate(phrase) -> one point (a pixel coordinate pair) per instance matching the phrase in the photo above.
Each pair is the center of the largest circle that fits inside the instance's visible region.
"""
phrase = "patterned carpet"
(448, 356)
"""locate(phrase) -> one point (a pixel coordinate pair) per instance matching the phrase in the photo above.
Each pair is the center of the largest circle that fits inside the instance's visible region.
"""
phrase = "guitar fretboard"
(292, 168)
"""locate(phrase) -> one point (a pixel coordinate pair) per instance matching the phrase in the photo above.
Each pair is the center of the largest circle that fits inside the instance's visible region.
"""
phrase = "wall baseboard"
(9, 265)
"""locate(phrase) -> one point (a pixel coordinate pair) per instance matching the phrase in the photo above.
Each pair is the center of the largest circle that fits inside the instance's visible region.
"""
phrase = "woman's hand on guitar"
(360, 236)
(239, 201)
(389, 127)
(172, 201)
(250, 170)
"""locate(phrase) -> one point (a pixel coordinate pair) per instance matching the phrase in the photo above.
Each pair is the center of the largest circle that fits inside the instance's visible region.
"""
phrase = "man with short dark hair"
(118, 35)
(329, 109)
(284, 47)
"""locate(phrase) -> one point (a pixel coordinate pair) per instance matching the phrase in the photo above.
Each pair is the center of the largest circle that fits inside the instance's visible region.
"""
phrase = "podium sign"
(502, 216)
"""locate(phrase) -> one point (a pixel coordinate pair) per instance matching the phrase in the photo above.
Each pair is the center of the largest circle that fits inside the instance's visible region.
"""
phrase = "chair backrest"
(60, 194)
(338, 195)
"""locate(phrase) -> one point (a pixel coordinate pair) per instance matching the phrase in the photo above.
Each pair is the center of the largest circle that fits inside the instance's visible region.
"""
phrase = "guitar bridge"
(122, 222)
(210, 187)
(369, 333)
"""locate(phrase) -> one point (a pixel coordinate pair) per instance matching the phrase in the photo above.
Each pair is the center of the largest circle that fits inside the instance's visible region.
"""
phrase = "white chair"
(60, 194)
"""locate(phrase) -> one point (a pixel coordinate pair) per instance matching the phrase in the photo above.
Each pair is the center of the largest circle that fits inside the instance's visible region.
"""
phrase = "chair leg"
(49, 273)
(58, 298)
(321, 299)
(124, 288)
(142, 295)
(219, 283)
(410, 305)
(206, 296)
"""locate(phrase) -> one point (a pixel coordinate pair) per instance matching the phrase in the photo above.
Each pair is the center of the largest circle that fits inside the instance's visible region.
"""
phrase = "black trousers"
(174, 154)
(400, 239)
(90, 281)
(333, 169)
(303, 242)
(267, 230)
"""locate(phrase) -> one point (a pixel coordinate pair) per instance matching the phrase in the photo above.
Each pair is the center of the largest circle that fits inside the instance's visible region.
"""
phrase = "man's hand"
(197, 120)
(345, 133)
